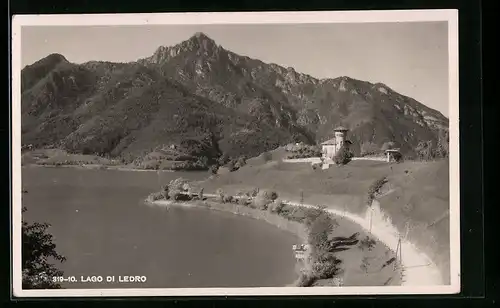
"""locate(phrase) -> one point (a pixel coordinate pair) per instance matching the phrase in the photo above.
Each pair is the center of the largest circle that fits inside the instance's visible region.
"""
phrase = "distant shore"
(57, 158)
(98, 167)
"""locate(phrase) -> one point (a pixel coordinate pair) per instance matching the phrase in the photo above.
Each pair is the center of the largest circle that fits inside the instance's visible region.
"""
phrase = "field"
(415, 197)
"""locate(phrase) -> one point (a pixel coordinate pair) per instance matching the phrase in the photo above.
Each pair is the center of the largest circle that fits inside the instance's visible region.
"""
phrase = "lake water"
(102, 226)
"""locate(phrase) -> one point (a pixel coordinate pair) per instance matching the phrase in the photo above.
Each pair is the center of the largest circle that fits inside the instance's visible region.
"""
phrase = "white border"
(451, 16)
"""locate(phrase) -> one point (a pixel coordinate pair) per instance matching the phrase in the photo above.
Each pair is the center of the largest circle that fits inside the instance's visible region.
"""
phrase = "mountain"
(207, 100)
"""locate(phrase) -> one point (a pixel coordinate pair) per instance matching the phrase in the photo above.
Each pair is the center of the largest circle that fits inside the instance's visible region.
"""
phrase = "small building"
(300, 251)
(331, 147)
(393, 155)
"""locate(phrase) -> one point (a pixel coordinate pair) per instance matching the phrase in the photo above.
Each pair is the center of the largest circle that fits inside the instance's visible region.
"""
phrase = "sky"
(409, 57)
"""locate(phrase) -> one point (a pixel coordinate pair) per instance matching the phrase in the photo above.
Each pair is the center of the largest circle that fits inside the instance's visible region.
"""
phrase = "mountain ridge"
(119, 109)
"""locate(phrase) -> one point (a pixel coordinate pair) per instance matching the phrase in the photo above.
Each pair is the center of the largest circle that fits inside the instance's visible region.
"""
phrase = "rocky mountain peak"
(199, 41)
(200, 36)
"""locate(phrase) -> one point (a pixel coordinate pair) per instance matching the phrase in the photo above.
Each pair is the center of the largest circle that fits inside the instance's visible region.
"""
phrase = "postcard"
(256, 153)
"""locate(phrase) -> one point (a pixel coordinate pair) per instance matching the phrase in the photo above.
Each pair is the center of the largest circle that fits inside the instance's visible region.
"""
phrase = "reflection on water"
(103, 227)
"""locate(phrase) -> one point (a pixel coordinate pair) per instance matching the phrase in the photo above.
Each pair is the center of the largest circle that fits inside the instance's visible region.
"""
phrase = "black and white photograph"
(270, 153)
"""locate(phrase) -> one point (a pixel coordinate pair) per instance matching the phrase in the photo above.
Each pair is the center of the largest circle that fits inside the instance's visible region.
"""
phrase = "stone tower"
(340, 137)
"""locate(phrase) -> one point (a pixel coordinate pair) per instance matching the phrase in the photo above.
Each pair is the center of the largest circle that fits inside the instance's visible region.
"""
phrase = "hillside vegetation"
(195, 101)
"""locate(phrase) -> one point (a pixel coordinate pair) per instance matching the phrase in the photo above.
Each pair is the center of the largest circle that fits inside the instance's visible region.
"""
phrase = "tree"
(178, 187)
(264, 198)
(343, 156)
(426, 150)
(213, 169)
(231, 166)
(223, 159)
(388, 145)
(38, 248)
(240, 162)
(443, 143)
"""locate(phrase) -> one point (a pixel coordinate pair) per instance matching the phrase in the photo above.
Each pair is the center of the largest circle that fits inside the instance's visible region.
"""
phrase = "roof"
(334, 142)
(340, 128)
(331, 141)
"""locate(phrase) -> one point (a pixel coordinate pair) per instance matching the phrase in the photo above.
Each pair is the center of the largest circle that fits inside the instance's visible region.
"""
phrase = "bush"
(235, 164)
(227, 199)
(263, 198)
(398, 157)
(223, 197)
(156, 196)
(165, 189)
(367, 243)
(303, 151)
(243, 201)
(320, 227)
(200, 164)
(343, 156)
(178, 188)
(325, 266)
(223, 159)
(429, 150)
(305, 280)
(213, 169)
(231, 165)
(276, 206)
(316, 166)
(240, 162)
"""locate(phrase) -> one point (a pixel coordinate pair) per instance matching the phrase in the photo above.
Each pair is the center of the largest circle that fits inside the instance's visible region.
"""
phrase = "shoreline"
(299, 229)
(100, 167)
(417, 268)
(282, 223)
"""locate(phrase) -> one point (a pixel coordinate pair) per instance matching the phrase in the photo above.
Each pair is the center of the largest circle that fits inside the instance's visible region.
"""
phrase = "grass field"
(416, 194)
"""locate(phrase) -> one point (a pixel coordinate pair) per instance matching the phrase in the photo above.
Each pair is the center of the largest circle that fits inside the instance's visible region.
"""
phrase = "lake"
(101, 224)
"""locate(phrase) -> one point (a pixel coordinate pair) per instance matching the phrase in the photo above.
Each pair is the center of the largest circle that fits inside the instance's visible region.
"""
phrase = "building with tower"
(331, 147)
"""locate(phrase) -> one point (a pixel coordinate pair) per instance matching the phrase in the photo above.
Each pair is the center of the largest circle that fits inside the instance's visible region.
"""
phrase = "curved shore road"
(418, 268)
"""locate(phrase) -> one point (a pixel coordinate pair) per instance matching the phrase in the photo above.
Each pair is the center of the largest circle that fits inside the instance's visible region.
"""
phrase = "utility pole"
(407, 229)
(371, 218)
(398, 252)
(158, 177)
